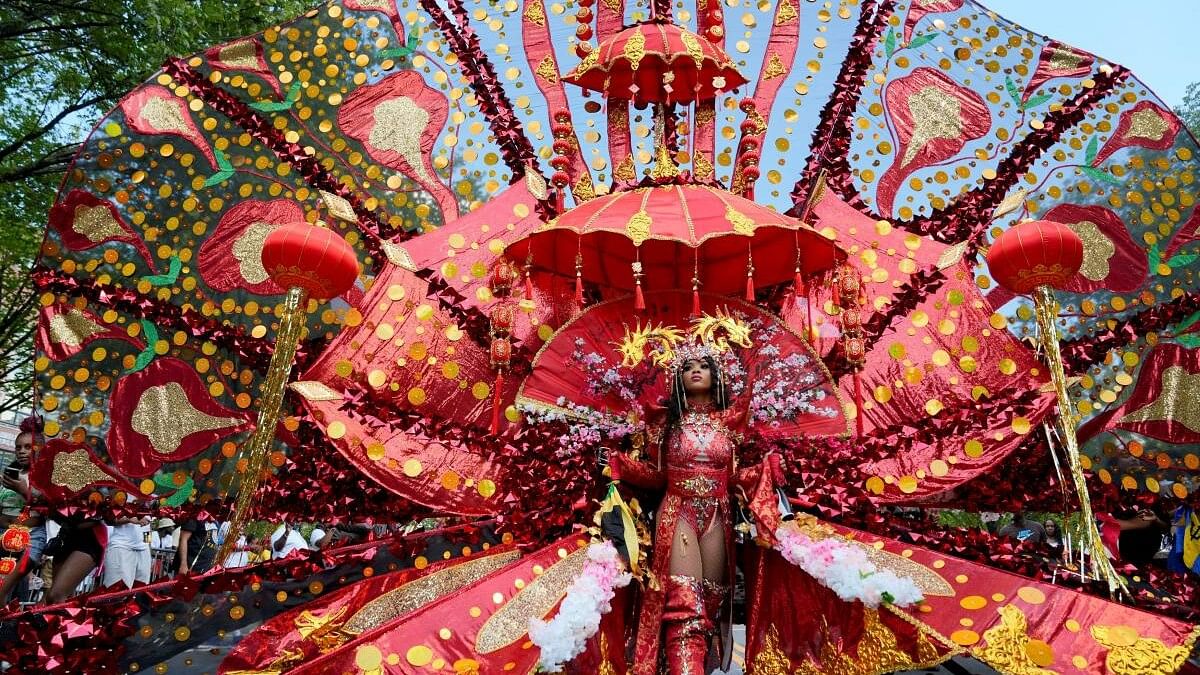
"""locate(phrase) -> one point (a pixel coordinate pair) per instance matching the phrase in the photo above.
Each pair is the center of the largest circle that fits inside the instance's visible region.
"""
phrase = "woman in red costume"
(693, 459)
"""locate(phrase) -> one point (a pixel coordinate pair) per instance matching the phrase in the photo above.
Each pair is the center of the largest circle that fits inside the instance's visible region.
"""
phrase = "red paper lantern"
(15, 539)
(856, 350)
(1035, 253)
(851, 319)
(504, 275)
(503, 317)
(501, 352)
(313, 258)
(7, 565)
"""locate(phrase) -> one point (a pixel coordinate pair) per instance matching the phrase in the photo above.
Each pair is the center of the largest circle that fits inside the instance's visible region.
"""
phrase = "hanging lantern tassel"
(496, 389)
(750, 279)
(528, 284)
(695, 297)
(579, 279)
(812, 329)
(639, 300)
(858, 405)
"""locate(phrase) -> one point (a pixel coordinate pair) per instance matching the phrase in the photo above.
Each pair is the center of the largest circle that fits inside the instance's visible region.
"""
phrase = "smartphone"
(12, 471)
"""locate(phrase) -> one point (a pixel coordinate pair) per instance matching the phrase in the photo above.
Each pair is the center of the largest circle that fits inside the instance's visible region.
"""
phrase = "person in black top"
(1024, 530)
(197, 547)
(1141, 536)
(1054, 539)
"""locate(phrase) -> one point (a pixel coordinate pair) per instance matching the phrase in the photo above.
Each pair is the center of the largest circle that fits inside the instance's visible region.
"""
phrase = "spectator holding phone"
(15, 498)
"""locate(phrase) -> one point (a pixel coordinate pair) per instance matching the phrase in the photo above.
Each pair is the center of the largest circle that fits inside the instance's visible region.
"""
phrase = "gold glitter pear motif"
(1061, 58)
(419, 592)
(1006, 645)
(381, 5)
(75, 470)
(399, 123)
(239, 54)
(547, 70)
(97, 223)
(247, 249)
(1131, 654)
(338, 207)
(638, 227)
(635, 49)
(511, 621)
(950, 257)
(535, 13)
(165, 416)
(1098, 249)
(1011, 203)
(164, 116)
(1148, 124)
(72, 328)
(1178, 402)
(936, 115)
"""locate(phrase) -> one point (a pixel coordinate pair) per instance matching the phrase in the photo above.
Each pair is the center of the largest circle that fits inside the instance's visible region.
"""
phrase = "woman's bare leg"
(67, 576)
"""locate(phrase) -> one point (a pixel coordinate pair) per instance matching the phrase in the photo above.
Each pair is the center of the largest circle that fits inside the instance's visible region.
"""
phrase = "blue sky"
(1153, 38)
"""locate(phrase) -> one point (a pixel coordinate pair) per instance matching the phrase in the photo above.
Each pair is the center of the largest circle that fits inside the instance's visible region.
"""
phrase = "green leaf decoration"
(1101, 175)
(1182, 260)
(224, 170)
(921, 40)
(889, 44)
(1036, 101)
(180, 492)
(293, 95)
(1190, 340)
(410, 46)
(1187, 323)
(1012, 91)
(223, 161)
(147, 355)
(168, 278)
(1093, 147)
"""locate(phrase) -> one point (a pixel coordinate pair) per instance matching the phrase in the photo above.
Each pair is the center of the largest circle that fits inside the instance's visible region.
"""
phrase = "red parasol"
(677, 233)
(657, 62)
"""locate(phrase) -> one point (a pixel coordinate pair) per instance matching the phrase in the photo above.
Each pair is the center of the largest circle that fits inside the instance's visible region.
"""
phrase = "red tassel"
(798, 286)
(639, 301)
(858, 404)
(695, 301)
(579, 290)
(528, 286)
(811, 327)
(749, 288)
(496, 402)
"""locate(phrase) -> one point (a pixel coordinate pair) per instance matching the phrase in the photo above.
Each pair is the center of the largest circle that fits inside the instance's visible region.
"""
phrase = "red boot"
(687, 626)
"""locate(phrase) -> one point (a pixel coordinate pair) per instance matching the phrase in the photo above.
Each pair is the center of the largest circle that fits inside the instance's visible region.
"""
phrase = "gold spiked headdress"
(670, 347)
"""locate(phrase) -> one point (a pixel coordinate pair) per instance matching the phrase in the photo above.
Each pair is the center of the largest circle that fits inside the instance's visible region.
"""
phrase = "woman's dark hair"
(676, 402)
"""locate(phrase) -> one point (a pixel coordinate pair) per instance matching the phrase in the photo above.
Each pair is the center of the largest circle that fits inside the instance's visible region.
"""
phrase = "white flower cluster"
(588, 598)
(843, 568)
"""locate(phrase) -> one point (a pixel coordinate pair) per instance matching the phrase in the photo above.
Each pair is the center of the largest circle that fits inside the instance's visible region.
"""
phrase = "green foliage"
(1189, 110)
(62, 65)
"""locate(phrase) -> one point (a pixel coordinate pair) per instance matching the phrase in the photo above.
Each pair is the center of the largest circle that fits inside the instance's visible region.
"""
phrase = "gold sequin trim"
(1007, 643)
(338, 207)
(1130, 654)
(1060, 58)
(547, 70)
(314, 390)
(634, 50)
(423, 591)
(786, 13)
(624, 170)
(399, 123)
(775, 68)
(1179, 401)
(584, 190)
(536, 600)
(1097, 250)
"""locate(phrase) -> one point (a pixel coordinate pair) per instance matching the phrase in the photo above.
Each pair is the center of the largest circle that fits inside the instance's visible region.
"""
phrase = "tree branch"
(35, 133)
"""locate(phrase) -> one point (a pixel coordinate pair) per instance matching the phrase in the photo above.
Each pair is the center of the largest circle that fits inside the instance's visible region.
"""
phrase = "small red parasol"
(657, 62)
(678, 234)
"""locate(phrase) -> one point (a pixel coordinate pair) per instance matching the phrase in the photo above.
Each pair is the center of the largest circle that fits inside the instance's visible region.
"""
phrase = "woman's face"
(697, 377)
(24, 447)
(1051, 527)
